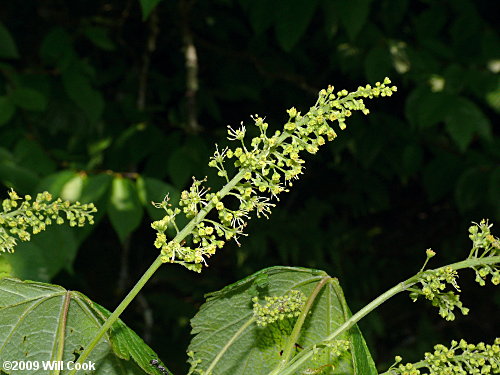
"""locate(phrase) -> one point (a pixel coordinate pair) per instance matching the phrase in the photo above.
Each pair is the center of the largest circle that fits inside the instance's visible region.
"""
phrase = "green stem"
(229, 343)
(294, 336)
(8, 215)
(393, 371)
(116, 314)
(301, 358)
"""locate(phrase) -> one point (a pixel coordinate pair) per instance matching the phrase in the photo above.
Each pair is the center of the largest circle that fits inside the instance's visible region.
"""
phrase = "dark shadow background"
(90, 88)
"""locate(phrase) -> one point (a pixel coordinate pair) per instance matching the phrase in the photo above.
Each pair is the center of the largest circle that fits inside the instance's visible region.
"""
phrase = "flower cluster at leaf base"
(332, 350)
(265, 167)
(22, 217)
(277, 308)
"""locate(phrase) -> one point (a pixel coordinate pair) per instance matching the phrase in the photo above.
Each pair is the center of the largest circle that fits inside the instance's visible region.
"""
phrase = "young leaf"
(258, 350)
(45, 322)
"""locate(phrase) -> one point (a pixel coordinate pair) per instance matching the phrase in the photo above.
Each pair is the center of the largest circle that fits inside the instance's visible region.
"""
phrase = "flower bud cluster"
(278, 308)
(22, 217)
(194, 365)
(484, 244)
(332, 349)
(460, 358)
(266, 165)
(433, 285)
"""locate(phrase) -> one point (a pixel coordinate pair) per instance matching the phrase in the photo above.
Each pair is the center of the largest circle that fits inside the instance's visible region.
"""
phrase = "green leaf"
(261, 14)
(8, 48)
(353, 15)
(95, 187)
(72, 189)
(20, 178)
(411, 161)
(434, 107)
(45, 255)
(44, 322)
(99, 37)
(257, 350)
(28, 99)
(30, 154)
(180, 167)
(378, 64)
(127, 344)
(55, 182)
(147, 6)
(393, 13)
(154, 190)
(494, 189)
(331, 18)
(7, 109)
(5, 267)
(470, 188)
(465, 120)
(440, 175)
(292, 19)
(56, 47)
(134, 144)
(124, 209)
(79, 89)
(425, 108)
(493, 99)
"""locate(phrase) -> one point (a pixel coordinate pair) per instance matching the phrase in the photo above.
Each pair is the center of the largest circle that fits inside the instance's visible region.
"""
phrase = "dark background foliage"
(103, 101)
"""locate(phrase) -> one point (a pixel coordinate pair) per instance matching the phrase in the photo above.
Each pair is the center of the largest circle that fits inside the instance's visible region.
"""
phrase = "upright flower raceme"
(266, 166)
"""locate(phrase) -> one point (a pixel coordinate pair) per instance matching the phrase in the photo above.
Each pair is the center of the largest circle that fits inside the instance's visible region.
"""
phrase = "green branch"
(301, 358)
